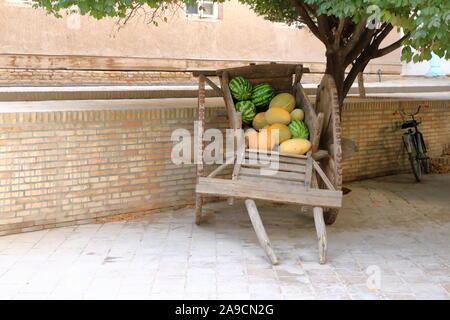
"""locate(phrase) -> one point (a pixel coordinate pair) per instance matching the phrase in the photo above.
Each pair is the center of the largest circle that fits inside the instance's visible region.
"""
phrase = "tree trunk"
(336, 69)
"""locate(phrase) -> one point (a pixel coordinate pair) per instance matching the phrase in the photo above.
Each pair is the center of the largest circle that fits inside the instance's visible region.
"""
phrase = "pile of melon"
(272, 121)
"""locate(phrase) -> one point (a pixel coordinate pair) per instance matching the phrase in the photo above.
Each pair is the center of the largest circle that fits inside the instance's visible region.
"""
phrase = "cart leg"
(198, 209)
(200, 134)
(321, 233)
(260, 231)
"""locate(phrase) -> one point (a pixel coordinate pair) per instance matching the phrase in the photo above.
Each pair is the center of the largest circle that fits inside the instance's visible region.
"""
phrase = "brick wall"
(50, 70)
(67, 167)
(88, 77)
(61, 168)
(375, 129)
(51, 77)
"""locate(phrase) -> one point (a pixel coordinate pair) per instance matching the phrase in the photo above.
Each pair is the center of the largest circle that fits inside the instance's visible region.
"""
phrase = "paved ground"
(391, 229)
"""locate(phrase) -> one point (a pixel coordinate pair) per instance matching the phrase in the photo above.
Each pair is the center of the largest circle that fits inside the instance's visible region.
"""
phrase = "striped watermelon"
(262, 94)
(247, 110)
(240, 88)
(299, 129)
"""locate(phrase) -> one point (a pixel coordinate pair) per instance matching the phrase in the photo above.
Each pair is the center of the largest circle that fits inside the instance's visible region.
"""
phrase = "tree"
(351, 30)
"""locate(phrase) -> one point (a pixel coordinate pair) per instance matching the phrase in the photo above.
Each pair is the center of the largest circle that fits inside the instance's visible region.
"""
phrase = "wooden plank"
(200, 133)
(228, 100)
(260, 230)
(214, 86)
(288, 155)
(320, 154)
(276, 192)
(261, 71)
(302, 101)
(237, 166)
(219, 169)
(298, 75)
(323, 176)
(320, 226)
(264, 179)
(281, 166)
(315, 132)
(321, 233)
(207, 73)
(324, 104)
(272, 174)
(327, 102)
(308, 170)
(279, 84)
(282, 159)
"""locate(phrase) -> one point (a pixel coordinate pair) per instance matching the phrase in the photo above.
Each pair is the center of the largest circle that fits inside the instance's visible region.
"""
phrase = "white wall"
(419, 69)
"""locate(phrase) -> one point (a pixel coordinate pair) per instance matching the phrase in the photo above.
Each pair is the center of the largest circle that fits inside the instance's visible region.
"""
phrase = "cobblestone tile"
(166, 256)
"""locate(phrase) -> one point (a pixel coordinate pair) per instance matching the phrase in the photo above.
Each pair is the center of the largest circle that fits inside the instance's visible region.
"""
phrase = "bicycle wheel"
(416, 168)
(426, 165)
(421, 152)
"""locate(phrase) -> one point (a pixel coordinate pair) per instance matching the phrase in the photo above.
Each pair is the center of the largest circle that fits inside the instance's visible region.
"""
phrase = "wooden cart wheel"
(327, 102)
(330, 216)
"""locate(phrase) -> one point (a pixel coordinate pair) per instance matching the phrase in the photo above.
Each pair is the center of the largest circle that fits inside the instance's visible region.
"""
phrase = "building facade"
(37, 48)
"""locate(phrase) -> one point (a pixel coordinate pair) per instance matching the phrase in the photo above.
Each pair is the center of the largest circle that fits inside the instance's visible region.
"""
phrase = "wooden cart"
(311, 180)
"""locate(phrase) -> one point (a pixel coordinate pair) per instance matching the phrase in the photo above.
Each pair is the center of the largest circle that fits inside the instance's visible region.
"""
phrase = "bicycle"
(414, 144)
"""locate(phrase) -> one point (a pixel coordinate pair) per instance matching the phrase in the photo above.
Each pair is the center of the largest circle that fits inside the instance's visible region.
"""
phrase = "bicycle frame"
(413, 139)
(414, 144)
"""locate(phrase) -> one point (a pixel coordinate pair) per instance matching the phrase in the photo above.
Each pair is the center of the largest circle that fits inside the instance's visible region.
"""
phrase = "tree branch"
(324, 27)
(366, 39)
(359, 66)
(381, 36)
(303, 12)
(391, 47)
(338, 32)
(356, 36)
(366, 50)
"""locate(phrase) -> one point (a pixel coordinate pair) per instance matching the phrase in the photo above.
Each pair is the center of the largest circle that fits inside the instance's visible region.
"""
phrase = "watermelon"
(299, 129)
(240, 88)
(262, 94)
(247, 110)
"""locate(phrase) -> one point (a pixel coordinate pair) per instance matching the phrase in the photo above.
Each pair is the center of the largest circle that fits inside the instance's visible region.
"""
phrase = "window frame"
(201, 13)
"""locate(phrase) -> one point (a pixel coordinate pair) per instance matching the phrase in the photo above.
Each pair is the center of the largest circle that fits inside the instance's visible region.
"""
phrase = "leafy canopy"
(425, 22)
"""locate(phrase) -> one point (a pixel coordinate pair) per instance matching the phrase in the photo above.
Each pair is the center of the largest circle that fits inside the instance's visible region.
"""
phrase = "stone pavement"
(391, 229)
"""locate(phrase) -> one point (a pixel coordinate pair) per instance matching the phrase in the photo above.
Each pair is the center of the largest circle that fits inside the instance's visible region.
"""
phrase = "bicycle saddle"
(410, 124)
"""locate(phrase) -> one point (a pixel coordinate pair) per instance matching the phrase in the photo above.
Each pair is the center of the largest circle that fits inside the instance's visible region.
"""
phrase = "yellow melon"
(259, 121)
(277, 115)
(283, 131)
(283, 100)
(266, 139)
(297, 114)
(252, 139)
(295, 146)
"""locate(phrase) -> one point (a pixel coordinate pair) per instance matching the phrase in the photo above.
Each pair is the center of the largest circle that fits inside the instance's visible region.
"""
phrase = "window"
(203, 9)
